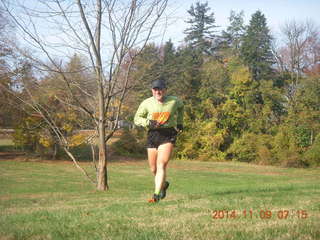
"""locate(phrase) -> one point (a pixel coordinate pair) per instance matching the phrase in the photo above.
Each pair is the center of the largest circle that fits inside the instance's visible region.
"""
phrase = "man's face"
(158, 93)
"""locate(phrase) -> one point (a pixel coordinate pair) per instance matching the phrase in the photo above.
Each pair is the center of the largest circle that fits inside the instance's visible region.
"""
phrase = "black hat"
(158, 84)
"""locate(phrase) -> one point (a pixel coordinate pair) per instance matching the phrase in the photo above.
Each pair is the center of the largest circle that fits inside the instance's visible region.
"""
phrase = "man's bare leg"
(163, 157)
(152, 159)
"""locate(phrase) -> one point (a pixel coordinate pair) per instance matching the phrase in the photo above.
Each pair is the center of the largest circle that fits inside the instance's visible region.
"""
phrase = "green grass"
(47, 200)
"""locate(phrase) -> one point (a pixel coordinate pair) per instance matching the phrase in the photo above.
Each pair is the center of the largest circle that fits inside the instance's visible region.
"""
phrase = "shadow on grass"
(83, 153)
(257, 190)
(9, 148)
(10, 152)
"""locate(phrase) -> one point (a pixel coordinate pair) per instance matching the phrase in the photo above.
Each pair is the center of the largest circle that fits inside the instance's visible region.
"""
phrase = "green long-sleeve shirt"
(168, 114)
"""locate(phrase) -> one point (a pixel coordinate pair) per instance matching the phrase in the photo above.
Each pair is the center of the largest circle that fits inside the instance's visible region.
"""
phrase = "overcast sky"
(277, 12)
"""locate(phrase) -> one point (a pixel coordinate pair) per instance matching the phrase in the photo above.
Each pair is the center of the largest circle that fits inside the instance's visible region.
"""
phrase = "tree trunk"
(102, 184)
(102, 165)
(55, 151)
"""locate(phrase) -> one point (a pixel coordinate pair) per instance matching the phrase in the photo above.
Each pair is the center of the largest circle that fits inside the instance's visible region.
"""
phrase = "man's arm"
(140, 118)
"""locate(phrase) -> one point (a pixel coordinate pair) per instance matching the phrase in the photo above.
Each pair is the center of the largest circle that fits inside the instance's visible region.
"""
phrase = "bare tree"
(300, 51)
(107, 32)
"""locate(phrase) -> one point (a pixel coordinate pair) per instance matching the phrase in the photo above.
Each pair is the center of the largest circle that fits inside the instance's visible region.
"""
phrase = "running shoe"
(163, 191)
(155, 198)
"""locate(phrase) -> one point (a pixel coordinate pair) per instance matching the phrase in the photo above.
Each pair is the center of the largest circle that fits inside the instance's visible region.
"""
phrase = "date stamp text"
(260, 214)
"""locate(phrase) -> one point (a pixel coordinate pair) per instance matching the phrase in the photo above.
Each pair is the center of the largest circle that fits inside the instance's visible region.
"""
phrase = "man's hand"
(180, 127)
(153, 124)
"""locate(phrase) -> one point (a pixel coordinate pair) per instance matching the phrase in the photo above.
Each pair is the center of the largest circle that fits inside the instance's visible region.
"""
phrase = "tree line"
(246, 98)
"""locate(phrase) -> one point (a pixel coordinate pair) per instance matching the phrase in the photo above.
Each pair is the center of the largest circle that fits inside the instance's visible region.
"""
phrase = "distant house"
(125, 124)
(121, 124)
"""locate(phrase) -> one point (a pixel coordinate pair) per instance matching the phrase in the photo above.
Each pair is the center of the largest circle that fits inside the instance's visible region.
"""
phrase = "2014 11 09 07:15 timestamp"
(261, 214)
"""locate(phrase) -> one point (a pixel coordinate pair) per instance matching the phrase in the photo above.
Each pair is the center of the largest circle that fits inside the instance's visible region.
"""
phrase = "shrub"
(251, 147)
(81, 152)
(286, 147)
(312, 156)
(26, 134)
(202, 141)
(243, 149)
(264, 155)
(130, 143)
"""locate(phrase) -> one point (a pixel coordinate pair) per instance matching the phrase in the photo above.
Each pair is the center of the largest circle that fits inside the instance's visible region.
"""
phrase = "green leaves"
(256, 47)
(200, 34)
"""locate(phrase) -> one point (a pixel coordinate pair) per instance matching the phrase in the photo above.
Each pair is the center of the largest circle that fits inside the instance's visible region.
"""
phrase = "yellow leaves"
(240, 76)
(218, 139)
(60, 115)
(67, 127)
(126, 108)
(74, 140)
(241, 79)
(77, 140)
(213, 70)
(231, 108)
(264, 154)
(66, 120)
(206, 142)
(45, 141)
(71, 116)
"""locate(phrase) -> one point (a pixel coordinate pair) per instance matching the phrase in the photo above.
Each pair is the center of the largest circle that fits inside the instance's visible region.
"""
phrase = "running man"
(163, 117)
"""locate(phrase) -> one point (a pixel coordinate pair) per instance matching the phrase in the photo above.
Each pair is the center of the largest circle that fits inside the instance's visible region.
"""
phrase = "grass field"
(47, 200)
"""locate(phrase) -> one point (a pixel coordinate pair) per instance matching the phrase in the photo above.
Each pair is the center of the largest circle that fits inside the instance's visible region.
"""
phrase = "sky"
(277, 13)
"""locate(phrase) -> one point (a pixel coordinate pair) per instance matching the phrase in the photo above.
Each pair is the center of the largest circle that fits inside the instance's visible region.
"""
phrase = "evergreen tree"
(256, 48)
(200, 34)
(147, 68)
(188, 80)
(168, 53)
(233, 35)
(169, 67)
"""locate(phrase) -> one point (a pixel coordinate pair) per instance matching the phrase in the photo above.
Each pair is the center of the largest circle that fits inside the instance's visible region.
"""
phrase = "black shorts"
(159, 136)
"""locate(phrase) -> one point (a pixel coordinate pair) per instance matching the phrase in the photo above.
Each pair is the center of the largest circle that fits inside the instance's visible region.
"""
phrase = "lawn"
(52, 200)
